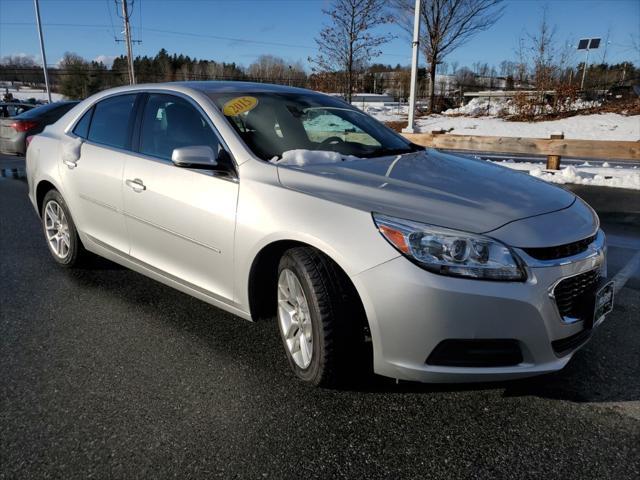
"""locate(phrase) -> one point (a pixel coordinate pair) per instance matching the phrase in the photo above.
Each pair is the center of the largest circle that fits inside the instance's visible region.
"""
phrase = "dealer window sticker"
(239, 105)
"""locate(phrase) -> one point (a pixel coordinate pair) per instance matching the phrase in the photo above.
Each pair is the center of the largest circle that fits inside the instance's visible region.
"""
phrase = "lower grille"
(569, 344)
(574, 295)
(476, 353)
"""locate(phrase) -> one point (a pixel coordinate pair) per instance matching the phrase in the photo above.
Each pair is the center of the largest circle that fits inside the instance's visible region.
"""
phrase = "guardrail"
(553, 148)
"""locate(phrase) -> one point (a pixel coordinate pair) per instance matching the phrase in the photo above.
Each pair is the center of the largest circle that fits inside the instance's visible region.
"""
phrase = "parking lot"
(107, 374)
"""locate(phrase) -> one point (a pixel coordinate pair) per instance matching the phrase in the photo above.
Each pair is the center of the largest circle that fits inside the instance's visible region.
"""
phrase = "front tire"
(60, 231)
(318, 317)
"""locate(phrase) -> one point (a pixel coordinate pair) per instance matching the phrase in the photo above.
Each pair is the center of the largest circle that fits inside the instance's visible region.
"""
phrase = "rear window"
(111, 120)
(51, 108)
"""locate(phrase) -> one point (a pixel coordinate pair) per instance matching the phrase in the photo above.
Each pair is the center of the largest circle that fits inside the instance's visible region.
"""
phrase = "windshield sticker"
(239, 105)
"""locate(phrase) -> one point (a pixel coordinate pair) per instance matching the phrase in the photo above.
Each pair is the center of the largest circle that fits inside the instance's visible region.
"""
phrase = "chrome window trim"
(69, 129)
(234, 178)
(210, 173)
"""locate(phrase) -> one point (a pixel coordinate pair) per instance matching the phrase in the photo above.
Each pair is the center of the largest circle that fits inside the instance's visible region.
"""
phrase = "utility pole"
(414, 69)
(44, 57)
(127, 35)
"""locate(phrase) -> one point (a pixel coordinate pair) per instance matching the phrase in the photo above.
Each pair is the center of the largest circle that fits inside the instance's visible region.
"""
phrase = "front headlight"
(451, 252)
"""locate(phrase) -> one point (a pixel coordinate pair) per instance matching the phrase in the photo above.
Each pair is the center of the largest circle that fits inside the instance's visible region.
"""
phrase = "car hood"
(431, 187)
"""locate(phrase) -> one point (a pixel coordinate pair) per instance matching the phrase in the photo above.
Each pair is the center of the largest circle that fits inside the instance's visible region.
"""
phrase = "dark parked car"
(11, 109)
(623, 92)
(14, 131)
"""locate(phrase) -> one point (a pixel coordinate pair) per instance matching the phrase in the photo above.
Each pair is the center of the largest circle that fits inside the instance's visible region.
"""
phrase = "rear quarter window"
(82, 127)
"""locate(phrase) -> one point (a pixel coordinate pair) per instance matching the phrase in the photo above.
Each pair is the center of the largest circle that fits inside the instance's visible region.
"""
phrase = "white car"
(281, 203)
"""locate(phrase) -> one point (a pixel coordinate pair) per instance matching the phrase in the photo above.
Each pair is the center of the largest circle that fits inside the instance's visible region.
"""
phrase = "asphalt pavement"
(107, 374)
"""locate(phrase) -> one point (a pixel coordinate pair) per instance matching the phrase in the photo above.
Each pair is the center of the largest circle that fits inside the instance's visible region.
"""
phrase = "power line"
(113, 29)
(192, 35)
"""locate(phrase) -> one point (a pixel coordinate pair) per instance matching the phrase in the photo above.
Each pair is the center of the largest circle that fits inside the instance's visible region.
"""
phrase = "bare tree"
(348, 44)
(543, 52)
(447, 24)
(274, 69)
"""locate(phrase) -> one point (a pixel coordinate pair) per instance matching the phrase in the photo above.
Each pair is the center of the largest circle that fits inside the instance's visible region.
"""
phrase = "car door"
(180, 221)
(93, 181)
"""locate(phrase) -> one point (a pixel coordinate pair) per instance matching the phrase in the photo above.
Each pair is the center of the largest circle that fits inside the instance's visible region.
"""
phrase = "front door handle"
(136, 184)
(70, 164)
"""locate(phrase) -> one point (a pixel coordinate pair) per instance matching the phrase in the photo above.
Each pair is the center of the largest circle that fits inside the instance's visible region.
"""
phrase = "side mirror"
(197, 156)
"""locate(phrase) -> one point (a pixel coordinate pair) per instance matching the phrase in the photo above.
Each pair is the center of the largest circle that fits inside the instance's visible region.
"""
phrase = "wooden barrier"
(601, 149)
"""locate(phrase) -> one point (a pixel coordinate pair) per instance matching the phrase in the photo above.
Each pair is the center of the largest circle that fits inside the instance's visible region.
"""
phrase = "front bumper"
(411, 311)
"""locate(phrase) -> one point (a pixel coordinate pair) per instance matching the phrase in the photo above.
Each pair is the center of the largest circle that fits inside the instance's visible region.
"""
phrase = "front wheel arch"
(263, 278)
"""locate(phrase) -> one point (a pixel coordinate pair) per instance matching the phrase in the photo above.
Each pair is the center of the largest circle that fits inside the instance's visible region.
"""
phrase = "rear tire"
(60, 231)
(319, 319)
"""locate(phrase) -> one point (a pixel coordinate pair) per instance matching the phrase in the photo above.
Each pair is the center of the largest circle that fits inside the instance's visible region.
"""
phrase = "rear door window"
(112, 120)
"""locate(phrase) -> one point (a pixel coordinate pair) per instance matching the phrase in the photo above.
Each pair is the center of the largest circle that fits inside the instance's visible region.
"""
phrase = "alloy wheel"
(294, 318)
(57, 230)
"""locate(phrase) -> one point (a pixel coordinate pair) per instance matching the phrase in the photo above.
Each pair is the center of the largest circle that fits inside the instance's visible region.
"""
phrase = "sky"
(240, 30)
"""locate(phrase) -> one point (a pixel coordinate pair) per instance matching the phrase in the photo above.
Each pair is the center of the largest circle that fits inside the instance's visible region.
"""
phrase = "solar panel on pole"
(587, 44)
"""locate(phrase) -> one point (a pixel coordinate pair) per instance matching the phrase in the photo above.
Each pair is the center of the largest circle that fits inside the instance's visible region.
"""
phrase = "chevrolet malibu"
(367, 250)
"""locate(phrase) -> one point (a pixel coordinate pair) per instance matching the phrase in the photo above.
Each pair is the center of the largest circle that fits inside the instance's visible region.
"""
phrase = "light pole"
(414, 69)
(44, 57)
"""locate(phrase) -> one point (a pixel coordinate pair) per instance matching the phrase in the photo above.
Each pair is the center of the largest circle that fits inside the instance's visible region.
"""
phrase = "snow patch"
(604, 176)
(71, 149)
(606, 126)
(483, 106)
(301, 157)
(27, 93)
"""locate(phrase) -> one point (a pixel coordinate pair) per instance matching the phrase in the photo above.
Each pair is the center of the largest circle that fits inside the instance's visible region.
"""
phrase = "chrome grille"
(573, 294)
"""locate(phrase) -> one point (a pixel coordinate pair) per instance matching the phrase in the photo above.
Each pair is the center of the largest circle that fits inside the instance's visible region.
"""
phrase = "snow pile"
(606, 126)
(302, 157)
(71, 149)
(384, 112)
(491, 107)
(481, 106)
(26, 93)
(585, 174)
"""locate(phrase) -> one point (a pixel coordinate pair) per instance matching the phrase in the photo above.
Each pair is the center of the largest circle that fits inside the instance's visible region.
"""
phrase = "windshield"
(273, 123)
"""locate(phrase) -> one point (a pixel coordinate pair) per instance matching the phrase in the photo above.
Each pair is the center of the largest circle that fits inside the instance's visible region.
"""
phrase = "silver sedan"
(368, 251)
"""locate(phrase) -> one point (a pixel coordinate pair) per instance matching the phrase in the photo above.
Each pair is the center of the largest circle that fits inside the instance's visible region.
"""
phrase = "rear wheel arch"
(43, 187)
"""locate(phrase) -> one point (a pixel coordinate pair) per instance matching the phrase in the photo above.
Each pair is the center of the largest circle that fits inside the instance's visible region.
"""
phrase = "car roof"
(219, 86)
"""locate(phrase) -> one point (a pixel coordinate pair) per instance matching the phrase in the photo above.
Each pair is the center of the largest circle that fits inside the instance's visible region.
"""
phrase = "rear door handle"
(136, 184)
(70, 164)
